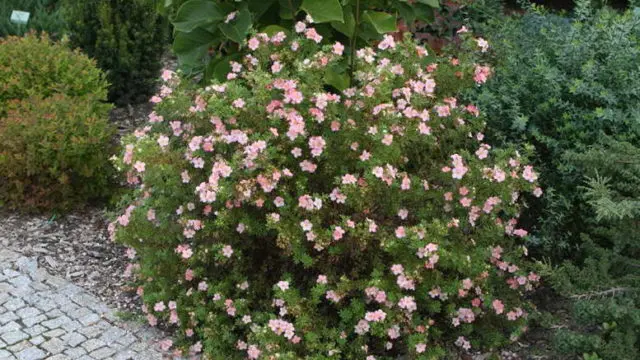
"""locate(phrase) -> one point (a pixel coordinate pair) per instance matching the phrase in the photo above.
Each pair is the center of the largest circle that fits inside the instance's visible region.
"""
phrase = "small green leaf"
(323, 10)
(274, 29)
(195, 13)
(432, 3)
(237, 29)
(381, 21)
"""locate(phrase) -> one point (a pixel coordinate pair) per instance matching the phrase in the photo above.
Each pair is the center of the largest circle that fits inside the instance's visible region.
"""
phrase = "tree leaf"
(381, 21)
(323, 10)
(432, 3)
(274, 29)
(195, 13)
(348, 26)
(237, 29)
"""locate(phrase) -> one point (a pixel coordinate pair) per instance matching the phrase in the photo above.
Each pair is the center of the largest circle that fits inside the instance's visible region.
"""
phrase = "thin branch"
(612, 292)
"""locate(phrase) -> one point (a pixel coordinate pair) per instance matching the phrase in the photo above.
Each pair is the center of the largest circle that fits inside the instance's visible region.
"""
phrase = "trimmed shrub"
(46, 15)
(275, 218)
(54, 152)
(127, 38)
(34, 65)
(55, 138)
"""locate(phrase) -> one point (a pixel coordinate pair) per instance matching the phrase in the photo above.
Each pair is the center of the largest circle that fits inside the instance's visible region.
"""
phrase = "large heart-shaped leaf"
(192, 46)
(348, 26)
(288, 8)
(381, 21)
(323, 10)
(196, 13)
(238, 28)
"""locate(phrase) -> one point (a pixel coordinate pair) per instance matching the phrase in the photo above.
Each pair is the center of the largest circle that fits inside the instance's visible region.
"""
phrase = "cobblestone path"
(47, 317)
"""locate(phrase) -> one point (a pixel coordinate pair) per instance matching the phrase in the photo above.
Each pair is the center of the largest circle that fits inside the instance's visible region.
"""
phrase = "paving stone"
(59, 357)
(75, 352)
(14, 304)
(102, 353)
(57, 322)
(13, 337)
(27, 312)
(37, 340)
(54, 333)
(46, 317)
(73, 339)
(35, 330)
(89, 319)
(29, 322)
(92, 344)
(32, 353)
(53, 346)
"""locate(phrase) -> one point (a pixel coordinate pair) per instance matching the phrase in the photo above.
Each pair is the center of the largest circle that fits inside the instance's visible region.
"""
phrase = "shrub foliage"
(55, 138)
(127, 38)
(571, 87)
(274, 217)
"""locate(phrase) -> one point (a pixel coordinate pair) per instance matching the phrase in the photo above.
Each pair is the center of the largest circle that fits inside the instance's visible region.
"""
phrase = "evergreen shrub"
(273, 217)
(127, 38)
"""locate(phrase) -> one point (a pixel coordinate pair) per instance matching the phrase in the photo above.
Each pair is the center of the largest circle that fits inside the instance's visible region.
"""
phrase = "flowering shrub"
(275, 218)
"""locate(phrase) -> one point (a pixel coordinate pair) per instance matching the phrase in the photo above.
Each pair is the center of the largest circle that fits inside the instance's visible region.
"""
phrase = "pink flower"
(375, 316)
(308, 166)
(227, 251)
(528, 174)
(387, 42)
(139, 166)
(159, 306)
(312, 34)
(498, 306)
(283, 285)
(421, 347)
(253, 352)
(338, 48)
(317, 144)
(322, 279)
(408, 303)
(362, 327)
(400, 232)
(253, 43)
(338, 233)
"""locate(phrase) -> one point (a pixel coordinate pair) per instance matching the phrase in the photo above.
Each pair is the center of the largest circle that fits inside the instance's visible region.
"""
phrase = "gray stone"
(29, 322)
(21, 281)
(27, 312)
(13, 337)
(37, 340)
(102, 353)
(27, 265)
(89, 319)
(4, 354)
(75, 352)
(73, 339)
(14, 304)
(59, 357)
(92, 344)
(32, 353)
(53, 346)
(56, 323)
(35, 330)
(54, 333)
(12, 326)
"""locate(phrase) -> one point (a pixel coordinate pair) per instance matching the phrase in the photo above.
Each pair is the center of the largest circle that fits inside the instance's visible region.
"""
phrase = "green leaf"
(381, 21)
(337, 80)
(219, 68)
(432, 3)
(288, 8)
(274, 29)
(348, 26)
(192, 46)
(196, 13)
(237, 29)
(323, 10)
